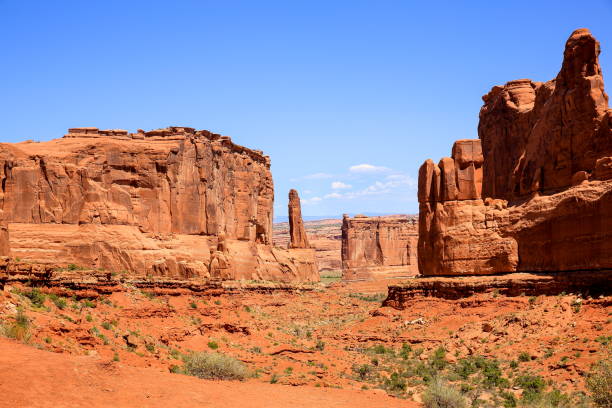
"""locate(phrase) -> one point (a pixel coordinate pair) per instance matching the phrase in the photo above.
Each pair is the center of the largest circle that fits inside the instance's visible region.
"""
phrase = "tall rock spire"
(297, 231)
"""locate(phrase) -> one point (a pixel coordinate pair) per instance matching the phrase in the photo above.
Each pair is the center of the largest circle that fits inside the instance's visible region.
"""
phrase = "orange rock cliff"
(378, 247)
(534, 192)
(171, 202)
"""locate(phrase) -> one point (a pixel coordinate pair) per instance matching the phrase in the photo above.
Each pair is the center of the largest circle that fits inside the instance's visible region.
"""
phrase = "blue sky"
(347, 97)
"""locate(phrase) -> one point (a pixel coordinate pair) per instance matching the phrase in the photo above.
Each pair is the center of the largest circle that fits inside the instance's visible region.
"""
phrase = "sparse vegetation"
(377, 297)
(19, 329)
(440, 395)
(214, 366)
(599, 382)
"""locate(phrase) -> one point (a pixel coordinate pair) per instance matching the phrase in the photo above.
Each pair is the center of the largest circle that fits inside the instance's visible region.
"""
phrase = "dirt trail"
(34, 378)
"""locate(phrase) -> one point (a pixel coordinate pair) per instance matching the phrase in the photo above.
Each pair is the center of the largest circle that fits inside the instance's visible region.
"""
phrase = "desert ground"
(333, 343)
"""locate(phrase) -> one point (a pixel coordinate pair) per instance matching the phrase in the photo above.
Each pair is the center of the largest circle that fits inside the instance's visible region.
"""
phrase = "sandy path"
(34, 378)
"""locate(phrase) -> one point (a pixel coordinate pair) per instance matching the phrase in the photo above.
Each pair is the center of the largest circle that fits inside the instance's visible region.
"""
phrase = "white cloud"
(395, 184)
(367, 168)
(314, 176)
(310, 201)
(317, 176)
(338, 185)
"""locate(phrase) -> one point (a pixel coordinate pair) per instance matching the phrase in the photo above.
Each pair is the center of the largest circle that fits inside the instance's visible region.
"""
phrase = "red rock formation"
(297, 232)
(150, 202)
(5, 249)
(538, 197)
(537, 136)
(378, 247)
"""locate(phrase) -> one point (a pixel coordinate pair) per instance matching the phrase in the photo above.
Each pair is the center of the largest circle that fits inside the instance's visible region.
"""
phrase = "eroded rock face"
(297, 232)
(538, 195)
(149, 202)
(458, 233)
(537, 136)
(378, 247)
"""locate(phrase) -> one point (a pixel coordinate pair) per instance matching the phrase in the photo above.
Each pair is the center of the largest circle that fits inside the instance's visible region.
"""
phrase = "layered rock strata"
(297, 232)
(169, 202)
(587, 283)
(534, 192)
(378, 247)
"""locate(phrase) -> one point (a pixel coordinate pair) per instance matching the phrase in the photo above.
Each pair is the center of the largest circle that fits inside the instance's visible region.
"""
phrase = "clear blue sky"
(347, 97)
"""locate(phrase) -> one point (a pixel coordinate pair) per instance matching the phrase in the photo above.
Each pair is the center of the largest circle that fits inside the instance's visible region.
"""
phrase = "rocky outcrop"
(169, 202)
(534, 193)
(297, 232)
(378, 247)
(587, 283)
(5, 248)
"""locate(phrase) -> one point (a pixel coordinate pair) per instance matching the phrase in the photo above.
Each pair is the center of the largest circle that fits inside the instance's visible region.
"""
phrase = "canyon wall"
(534, 192)
(172, 202)
(378, 247)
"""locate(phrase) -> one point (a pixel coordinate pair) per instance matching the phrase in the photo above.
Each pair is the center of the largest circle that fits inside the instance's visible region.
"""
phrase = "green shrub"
(440, 395)
(599, 383)
(509, 399)
(193, 305)
(107, 325)
(395, 383)
(213, 345)
(214, 365)
(60, 302)
(88, 303)
(36, 297)
(437, 360)
(524, 357)
(363, 371)
(466, 367)
(532, 386)
(320, 345)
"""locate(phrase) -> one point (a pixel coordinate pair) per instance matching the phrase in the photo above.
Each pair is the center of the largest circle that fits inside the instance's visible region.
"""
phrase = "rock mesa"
(172, 202)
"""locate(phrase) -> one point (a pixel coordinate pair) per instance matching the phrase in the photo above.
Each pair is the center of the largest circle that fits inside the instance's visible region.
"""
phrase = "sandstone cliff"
(378, 247)
(173, 201)
(537, 194)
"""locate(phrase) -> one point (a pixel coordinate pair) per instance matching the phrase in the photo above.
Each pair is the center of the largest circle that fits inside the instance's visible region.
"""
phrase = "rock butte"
(378, 247)
(534, 192)
(171, 202)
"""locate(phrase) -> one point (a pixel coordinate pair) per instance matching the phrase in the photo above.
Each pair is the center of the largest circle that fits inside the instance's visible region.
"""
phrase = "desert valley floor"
(333, 340)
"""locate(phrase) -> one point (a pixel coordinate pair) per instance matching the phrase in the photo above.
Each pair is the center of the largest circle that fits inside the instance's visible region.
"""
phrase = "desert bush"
(395, 383)
(214, 365)
(440, 395)
(532, 386)
(436, 360)
(59, 302)
(524, 356)
(36, 297)
(19, 329)
(599, 382)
